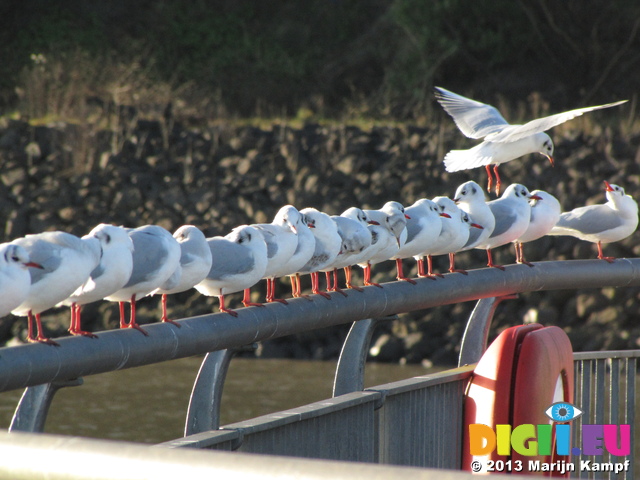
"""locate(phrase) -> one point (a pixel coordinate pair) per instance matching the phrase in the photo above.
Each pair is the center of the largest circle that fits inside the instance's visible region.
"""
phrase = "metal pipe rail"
(36, 364)
(74, 458)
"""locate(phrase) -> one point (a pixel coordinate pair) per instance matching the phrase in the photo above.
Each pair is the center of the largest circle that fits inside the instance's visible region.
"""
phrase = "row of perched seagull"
(41, 271)
(119, 264)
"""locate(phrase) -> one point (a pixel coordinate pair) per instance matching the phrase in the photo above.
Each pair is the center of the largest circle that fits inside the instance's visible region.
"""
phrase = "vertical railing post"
(474, 340)
(33, 408)
(353, 356)
(203, 413)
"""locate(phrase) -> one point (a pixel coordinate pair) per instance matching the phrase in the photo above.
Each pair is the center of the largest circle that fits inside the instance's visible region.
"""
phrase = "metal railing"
(605, 390)
(36, 364)
(72, 458)
(414, 422)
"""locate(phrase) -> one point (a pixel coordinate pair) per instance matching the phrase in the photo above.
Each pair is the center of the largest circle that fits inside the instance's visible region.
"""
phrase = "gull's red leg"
(601, 254)
(400, 272)
(452, 265)
(41, 338)
(498, 182)
(315, 285)
(489, 177)
(430, 268)
(246, 299)
(367, 277)
(520, 255)
(132, 317)
(76, 322)
(490, 260)
(347, 277)
(165, 317)
(233, 313)
(271, 291)
(123, 323)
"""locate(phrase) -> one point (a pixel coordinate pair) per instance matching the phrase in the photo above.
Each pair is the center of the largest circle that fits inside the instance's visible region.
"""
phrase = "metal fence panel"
(605, 386)
(421, 422)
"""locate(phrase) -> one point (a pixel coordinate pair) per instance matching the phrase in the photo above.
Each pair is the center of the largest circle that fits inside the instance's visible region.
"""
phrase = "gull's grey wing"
(474, 119)
(545, 123)
(173, 280)
(229, 258)
(98, 271)
(590, 219)
(505, 217)
(413, 228)
(43, 252)
(269, 239)
(474, 233)
(149, 254)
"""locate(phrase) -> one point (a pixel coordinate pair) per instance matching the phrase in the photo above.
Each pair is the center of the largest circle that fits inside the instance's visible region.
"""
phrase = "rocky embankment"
(70, 177)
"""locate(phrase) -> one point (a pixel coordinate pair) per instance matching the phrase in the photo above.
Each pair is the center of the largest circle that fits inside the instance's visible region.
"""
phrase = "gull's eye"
(563, 412)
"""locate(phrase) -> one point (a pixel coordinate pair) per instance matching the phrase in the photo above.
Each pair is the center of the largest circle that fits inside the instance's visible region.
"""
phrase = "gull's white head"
(545, 145)
(468, 192)
(289, 216)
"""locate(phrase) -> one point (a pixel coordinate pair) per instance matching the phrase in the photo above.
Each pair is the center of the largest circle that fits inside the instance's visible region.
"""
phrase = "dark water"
(149, 404)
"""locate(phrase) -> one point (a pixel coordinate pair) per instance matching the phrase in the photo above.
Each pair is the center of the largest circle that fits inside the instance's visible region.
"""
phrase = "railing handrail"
(606, 354)
(75, 458)
(35, 364)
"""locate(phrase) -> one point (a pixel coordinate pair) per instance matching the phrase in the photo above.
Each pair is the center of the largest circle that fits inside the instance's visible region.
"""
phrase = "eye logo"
(563, 412)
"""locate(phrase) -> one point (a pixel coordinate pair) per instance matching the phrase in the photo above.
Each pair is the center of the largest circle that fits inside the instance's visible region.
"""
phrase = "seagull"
(281, 237)
(110, 275)
(15, 279)
(239, 262)
(195, 263)
(424, 225)
(512, 213)
(606, 223)
(545, 213)
(305, 246)
(371, 230)
(66, 261)
(470, 198)
(156, 257)
(355, 238)
(327, 247)
(386, 238)
(502, 142)
(453, 236)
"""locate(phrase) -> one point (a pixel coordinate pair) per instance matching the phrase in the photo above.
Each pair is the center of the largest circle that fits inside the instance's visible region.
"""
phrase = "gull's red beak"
(34, 265)
(445, 215)
(475, 225)
(550, 160)
(373, 222)
(407, 216)
(535, 197)
(608, 186)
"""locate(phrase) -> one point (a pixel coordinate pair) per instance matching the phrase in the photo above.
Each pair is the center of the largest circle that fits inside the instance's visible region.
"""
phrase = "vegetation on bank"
(321, 58)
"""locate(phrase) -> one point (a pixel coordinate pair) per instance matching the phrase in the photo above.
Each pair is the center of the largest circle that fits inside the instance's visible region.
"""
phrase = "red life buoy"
(525, 370)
